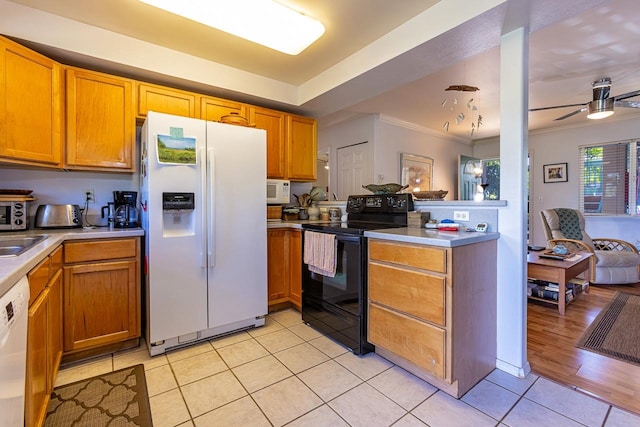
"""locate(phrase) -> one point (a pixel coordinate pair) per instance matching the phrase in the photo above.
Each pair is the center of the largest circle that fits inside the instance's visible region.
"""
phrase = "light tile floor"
(286, 373)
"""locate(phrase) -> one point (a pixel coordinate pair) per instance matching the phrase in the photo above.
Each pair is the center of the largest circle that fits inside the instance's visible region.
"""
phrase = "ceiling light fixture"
(600, 108)
(261, 21)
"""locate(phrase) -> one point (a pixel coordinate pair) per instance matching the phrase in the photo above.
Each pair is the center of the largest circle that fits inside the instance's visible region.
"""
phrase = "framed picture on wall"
(416, 172)
(556, 172)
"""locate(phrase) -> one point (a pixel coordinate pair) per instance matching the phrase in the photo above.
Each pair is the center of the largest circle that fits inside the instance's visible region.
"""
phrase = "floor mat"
(615, 332)
(116, 398)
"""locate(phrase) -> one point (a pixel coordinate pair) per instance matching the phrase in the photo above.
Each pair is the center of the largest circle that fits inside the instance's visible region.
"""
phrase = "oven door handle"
(350, 239)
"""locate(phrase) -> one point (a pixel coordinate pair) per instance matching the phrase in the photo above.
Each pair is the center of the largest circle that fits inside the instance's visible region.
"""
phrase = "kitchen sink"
(16, 245)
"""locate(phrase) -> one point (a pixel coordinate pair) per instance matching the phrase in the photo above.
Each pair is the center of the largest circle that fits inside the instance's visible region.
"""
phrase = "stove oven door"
(336, 305)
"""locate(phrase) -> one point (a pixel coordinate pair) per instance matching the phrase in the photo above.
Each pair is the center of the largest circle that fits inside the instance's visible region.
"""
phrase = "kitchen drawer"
(419, 343)
(99, 250)
(413, 292)
(38, 278)
(419, 256)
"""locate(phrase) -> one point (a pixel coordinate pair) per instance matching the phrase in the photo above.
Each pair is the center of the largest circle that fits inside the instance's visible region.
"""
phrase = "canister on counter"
(335, 214)
(417, 219)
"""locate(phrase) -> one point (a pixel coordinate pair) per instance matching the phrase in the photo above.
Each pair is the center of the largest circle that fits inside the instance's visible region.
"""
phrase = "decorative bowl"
(234, 118)
(384, 188)
(318, 194)
(430, 195)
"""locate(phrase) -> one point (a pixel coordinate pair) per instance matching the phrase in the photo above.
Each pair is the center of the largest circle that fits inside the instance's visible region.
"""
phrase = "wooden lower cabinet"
(432, 310)
(277, 254)
(55, 322)
(37, 379)
(44, 336)
(418, 342)
(284, 261)
(295, 268)
(101, 294)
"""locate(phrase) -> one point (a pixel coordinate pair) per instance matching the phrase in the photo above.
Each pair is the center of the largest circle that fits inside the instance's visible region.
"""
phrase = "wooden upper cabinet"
(30, 107)
(274, 122)
(302, 148)
(100, 121)
(212, 109)
(166, 100)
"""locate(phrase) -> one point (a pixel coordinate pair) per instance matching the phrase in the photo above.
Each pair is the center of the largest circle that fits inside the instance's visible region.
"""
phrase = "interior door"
(468, 179)
(355, 169)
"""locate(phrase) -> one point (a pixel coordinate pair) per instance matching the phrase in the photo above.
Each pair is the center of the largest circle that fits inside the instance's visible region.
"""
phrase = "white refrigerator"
(203, 209)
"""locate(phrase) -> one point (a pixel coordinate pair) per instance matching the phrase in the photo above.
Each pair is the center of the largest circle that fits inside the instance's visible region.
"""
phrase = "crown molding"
(412, 126)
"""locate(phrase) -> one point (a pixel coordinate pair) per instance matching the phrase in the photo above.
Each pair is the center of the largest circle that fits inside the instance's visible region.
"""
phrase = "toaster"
(58, 216)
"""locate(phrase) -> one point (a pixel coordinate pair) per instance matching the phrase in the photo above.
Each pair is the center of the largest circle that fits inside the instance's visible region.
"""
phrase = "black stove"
(337, 305)
(370, 212)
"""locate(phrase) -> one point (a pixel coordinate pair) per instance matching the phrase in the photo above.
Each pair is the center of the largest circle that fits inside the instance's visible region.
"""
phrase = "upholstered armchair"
(617, 261)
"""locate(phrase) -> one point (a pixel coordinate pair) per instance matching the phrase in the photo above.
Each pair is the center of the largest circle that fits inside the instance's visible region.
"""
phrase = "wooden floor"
(552, 353)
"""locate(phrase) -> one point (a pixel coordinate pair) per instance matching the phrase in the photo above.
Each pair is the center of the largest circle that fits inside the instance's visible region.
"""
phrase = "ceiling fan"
(602, 105)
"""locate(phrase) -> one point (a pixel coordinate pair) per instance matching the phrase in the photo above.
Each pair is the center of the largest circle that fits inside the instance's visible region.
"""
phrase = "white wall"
(62, 187)
(390, 138)
(393, 138)
(561, 146)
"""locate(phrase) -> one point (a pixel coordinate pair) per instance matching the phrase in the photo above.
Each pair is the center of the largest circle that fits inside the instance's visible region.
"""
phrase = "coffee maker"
(126, 212)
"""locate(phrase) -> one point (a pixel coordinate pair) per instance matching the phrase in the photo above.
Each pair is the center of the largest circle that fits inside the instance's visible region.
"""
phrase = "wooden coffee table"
(558, 271)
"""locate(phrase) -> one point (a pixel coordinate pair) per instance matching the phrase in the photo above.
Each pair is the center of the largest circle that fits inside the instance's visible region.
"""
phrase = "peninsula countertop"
(423, 236)
(12, 268)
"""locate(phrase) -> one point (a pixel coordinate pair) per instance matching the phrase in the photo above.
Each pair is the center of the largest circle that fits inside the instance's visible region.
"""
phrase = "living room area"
(551, 337)
(553, 354)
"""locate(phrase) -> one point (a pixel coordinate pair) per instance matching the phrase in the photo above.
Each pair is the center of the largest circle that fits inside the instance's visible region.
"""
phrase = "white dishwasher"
(14, 312)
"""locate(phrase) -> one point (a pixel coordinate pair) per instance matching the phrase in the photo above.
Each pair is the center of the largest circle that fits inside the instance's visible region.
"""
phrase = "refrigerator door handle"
(211, 194)
(203, 213)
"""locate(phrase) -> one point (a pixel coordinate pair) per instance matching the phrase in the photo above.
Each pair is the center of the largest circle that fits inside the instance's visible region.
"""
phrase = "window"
(491, 179)
(609, 178)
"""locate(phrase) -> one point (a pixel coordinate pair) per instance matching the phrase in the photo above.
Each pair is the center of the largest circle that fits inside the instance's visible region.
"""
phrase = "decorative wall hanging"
(556, 172)
(416, 172)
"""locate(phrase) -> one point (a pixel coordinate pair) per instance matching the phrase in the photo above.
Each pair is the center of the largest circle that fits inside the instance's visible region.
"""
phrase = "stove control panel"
(380, 203)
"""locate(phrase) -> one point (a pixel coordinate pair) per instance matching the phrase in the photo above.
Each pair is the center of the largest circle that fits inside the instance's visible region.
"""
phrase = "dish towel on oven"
(320, 252)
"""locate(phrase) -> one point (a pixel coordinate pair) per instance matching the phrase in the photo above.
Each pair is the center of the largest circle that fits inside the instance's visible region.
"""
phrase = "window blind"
(608, 178)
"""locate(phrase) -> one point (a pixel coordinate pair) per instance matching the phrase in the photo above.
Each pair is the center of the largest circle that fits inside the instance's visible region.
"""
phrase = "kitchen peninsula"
(432, 303)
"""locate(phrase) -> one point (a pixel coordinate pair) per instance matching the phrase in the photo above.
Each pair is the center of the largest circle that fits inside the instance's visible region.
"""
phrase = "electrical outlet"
(461, 215)
(89, 195)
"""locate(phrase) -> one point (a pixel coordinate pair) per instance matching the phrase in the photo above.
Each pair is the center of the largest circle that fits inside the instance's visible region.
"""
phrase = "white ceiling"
(394, 58)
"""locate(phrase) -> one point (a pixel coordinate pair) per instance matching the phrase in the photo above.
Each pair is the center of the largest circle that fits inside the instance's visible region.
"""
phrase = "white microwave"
(278, 191)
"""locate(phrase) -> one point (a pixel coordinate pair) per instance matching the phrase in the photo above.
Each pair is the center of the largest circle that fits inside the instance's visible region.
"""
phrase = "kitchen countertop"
(12, 268)
(290, 224)
(448, 239)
